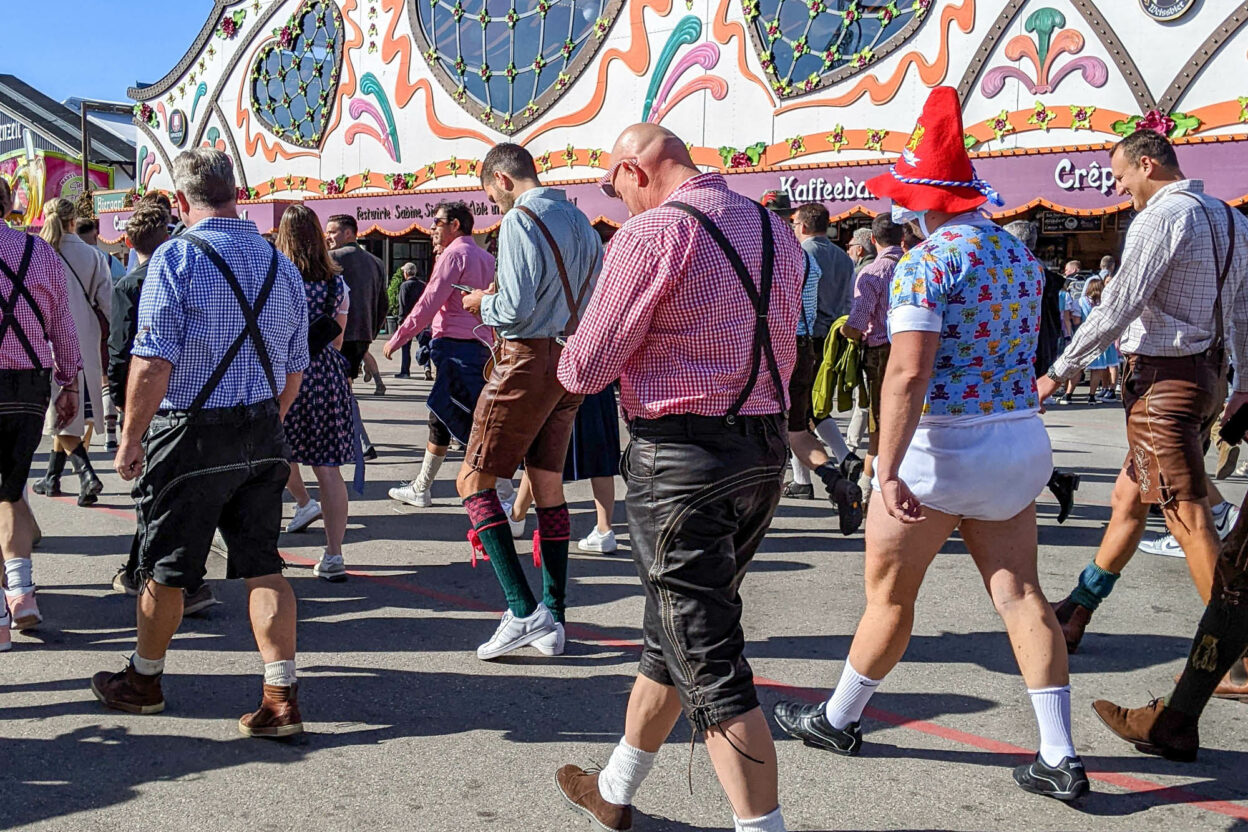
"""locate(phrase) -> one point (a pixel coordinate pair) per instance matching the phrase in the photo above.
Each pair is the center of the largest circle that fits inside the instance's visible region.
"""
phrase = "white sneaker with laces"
(412, 494)
(596, 541)
(514, 633)
(304, 516)
(552, 644)
(330, 568)
(1224, 517)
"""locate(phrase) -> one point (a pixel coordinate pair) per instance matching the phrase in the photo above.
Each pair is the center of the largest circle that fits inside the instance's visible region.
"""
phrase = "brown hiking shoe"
(1074, 620)
(129, 691)
(277, 716)
(1153, 729)
(580, 789)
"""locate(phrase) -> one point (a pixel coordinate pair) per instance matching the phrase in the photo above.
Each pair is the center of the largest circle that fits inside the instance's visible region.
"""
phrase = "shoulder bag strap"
(574, 303)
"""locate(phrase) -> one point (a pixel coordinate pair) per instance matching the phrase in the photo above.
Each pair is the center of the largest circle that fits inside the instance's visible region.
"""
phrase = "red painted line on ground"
(1171, 794)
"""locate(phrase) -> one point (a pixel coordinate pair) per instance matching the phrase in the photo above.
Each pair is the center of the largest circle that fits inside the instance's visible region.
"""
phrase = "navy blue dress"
(319, 426)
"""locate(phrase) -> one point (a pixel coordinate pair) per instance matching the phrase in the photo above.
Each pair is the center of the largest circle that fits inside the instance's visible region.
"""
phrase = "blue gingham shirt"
(189, 316)
(810, 298)
(530, 302)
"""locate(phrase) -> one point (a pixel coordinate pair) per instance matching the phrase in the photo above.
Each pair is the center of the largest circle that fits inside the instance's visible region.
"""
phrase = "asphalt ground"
(407, 730)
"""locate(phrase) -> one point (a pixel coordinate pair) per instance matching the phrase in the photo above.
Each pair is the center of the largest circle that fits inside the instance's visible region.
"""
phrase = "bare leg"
(271, 603)
(294, 484)
(334, 506)
(1191, 523)
(524, 498)
(1127, 522)
(1215, 496)
(1005, 553)
(470, 481)
(159, 615)
(897, 559)
(17, 529)
(604, 501)
(70, 443)
(751, 788)
(652, 713)
(809, 451)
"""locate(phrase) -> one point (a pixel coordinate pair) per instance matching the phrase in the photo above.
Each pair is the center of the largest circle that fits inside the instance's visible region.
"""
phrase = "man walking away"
(38, 346)
(366, 278)
(548, 259)
(410, 291)
(222, 344)
(705, 399)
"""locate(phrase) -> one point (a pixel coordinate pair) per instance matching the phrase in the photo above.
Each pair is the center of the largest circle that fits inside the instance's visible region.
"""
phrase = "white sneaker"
(517, 526)
(330, 568)
(552, 644)
(412, 495)
(304, 516)
(597, 541)
(514, 633)
(1224, 517)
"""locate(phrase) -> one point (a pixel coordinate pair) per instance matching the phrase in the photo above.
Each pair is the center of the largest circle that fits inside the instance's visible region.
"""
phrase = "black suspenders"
(760, 299)
(8, 306)
(251, 322)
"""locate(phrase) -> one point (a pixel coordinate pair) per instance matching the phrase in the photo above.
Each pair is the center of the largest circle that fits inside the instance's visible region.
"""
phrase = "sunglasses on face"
(438, 222)
(607, 183)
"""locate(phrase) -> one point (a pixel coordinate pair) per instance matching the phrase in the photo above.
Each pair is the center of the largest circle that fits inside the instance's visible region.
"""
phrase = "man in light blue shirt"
(548, 260)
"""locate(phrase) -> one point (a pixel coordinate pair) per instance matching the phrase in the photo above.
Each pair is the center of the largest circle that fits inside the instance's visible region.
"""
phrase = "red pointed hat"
(934, 172)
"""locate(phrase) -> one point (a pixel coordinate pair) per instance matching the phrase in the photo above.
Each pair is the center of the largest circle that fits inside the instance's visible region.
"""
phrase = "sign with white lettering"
(1167, 10)
(1071, 177)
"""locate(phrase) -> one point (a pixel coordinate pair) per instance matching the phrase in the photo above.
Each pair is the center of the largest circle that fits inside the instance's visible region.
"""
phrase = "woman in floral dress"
(319, 425)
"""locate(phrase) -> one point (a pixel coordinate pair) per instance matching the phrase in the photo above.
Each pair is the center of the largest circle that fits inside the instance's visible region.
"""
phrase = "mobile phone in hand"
(461, 287)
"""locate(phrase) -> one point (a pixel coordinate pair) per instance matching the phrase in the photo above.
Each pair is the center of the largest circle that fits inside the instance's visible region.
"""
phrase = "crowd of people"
(732, 330)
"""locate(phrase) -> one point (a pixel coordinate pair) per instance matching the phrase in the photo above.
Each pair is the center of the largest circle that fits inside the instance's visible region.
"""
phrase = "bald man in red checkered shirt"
(696, 313)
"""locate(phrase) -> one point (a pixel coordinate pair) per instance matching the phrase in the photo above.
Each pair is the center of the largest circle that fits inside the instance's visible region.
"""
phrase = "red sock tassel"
(537, 548)
(478, 551)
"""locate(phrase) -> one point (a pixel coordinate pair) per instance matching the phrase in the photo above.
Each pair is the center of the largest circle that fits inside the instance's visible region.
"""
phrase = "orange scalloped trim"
(930, 74)
(636, 58)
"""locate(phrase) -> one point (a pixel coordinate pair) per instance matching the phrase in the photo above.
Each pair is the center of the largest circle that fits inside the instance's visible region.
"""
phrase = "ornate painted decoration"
(807, 44)
(294, 79)
(1047, 43)
(508, 61)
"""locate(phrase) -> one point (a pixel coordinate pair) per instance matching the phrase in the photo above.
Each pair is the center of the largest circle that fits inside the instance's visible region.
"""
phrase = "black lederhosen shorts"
(24, 397)
(222, 468)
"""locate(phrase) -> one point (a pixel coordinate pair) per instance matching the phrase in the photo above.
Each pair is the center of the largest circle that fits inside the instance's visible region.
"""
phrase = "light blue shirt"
(530, 301)
(189, 316)
(810, 297)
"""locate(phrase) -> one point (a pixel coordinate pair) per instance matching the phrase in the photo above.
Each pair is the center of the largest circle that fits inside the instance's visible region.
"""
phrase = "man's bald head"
(653, 162)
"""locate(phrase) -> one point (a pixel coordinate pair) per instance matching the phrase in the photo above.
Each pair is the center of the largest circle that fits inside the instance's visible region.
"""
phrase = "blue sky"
(97, 48)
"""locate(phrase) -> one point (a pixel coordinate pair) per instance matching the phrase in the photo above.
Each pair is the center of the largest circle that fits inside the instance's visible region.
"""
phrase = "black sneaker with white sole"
(809, 724)
(1065, 781)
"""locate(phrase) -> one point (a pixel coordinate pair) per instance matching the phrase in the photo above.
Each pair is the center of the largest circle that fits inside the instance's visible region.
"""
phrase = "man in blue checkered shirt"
(221, 347)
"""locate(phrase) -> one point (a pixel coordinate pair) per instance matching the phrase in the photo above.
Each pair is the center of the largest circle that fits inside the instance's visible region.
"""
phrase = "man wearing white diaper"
(959, 395)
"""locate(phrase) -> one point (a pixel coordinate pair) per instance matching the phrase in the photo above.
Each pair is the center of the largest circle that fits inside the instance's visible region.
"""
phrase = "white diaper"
(984, 469)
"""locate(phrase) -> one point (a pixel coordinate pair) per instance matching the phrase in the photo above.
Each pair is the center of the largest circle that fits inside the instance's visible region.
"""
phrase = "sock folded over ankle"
(831, 436)
(801, 474)
(849, 699)
(280, 673)
(147, 667)
(770, 822)
(1220, 642)
(492, 533)
(17, 576)
(619, 780)
(1052, 707)
(554, 530)
(1095, 584)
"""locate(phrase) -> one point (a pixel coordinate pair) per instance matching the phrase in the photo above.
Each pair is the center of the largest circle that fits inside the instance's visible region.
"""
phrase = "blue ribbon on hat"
(976, 183)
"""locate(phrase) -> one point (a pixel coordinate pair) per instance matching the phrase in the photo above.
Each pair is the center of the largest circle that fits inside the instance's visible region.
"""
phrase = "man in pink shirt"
(460, 347)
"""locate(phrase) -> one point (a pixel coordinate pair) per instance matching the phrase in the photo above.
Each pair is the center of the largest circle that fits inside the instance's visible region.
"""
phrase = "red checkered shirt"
(45, 280)
(670, 318)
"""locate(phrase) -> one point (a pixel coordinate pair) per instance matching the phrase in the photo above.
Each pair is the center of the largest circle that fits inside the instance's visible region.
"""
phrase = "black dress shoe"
(1065, 781)
(370, 452)
(1064, 484)
(797, 491)
(809, 724)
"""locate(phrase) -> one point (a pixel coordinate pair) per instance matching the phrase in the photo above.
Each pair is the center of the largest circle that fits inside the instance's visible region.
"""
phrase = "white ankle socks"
(770, 822)
(17, 575)
(850, 697)
(831, 436)
(147, 667)
(280, 673)
(429, 468)
(628, 766)
(801, 474)
(1052, 707)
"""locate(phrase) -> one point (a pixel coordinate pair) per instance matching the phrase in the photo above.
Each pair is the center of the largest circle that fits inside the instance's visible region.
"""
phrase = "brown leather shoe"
(129, 691)
(580, 789)
(1153, 729)
(1074, 620)
(277, 716)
